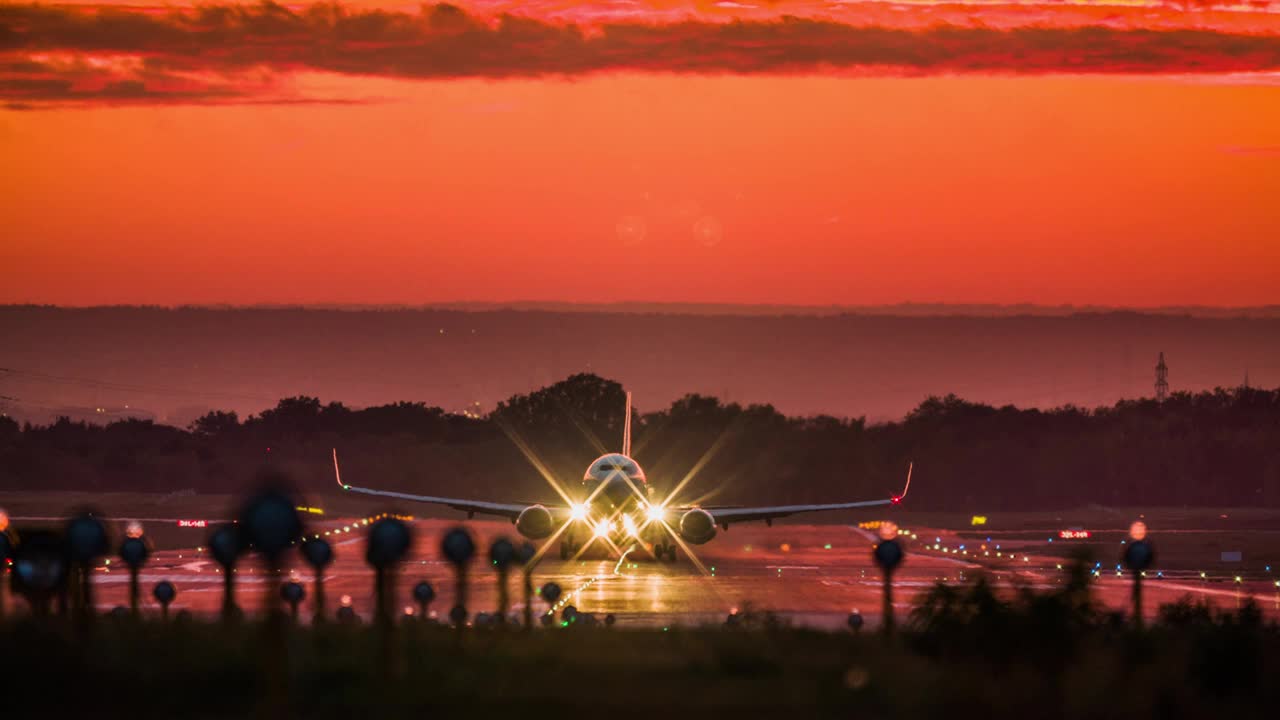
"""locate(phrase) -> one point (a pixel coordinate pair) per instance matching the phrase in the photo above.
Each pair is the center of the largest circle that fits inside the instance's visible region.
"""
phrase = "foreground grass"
(1196, 667)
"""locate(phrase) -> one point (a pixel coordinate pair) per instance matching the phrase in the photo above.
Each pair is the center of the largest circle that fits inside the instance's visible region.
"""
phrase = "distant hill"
(876, 363)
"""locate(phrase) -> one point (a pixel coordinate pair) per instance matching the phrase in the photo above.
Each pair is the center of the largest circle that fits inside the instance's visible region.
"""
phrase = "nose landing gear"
(664, 552)
(568, 547)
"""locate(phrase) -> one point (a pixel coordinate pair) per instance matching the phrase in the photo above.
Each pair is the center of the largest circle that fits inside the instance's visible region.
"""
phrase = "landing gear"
(567, 548)
(664, 553)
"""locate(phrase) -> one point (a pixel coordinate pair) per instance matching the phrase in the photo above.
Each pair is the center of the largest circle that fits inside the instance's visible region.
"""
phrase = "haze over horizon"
(180, 363)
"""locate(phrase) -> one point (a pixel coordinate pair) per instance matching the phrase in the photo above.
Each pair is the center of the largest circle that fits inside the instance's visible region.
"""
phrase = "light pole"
(1138, 556)
(888, 555)
(459, 548)
(319, 555)
(134, 551)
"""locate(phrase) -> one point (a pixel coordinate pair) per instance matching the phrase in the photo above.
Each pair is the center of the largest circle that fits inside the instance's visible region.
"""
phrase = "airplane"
(619, 507)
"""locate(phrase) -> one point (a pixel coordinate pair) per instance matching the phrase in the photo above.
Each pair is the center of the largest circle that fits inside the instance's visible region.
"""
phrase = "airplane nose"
(618, 490)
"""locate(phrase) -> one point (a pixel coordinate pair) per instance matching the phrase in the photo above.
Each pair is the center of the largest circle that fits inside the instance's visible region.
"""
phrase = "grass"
(1021, 659)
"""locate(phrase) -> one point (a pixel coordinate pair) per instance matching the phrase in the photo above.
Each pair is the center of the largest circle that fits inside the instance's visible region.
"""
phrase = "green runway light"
(827, 546)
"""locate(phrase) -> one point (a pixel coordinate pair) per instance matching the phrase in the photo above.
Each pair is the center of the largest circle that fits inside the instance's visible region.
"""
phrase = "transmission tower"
(1162, 380)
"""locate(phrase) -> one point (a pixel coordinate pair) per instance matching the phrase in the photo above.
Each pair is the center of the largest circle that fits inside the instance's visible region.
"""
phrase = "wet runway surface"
(811, 575)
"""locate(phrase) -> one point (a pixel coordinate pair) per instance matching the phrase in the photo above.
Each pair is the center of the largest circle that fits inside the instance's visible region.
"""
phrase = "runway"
(810, 575)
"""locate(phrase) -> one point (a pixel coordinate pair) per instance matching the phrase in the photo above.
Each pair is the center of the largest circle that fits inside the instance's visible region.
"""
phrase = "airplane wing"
(724, 516)
(471, 507)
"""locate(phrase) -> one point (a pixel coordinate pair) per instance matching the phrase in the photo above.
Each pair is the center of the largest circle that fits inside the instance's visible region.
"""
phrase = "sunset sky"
(791, 152)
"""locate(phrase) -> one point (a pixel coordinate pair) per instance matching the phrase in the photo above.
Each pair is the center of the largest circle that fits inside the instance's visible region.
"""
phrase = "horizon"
(906, 308)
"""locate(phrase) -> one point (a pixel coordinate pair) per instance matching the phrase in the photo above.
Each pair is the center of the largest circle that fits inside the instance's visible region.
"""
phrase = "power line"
(1162, 380)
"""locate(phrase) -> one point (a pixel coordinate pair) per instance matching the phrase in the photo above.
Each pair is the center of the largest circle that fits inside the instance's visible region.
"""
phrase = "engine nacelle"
(535, 522)
(697, 526)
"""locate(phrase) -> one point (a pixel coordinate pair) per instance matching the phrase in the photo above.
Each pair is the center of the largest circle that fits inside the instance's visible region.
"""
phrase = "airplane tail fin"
(626, 429)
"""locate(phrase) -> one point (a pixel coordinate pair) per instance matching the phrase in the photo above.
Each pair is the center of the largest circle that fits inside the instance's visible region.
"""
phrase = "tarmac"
(807, 575)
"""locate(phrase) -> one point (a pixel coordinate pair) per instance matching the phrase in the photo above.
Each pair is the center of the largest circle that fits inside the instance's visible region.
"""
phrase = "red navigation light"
(1073, 534)
(896, 499)
(193, 523)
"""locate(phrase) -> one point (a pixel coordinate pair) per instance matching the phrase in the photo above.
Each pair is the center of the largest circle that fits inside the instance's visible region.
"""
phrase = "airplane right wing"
(726, 515)
(510, 511)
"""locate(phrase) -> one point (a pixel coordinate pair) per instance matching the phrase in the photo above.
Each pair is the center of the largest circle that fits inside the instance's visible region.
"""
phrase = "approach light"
(657, 513)
(1138, 530)
(4, 520)
(578, 511)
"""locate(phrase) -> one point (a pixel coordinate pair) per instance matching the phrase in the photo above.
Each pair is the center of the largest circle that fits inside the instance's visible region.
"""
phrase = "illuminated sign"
(978, 520)
(1073, 534)
(193, 523)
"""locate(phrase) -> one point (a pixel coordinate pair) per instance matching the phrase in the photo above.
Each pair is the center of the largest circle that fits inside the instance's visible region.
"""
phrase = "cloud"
(1254, 150)
(220, 52)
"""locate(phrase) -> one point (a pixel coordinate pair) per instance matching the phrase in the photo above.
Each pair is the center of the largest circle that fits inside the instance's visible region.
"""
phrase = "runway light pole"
(271, 524)
(86, 542)
(134, 551)
(1138, 556)
(292, 592)
(888, 555)
(501, 554)
(423, 594)
(525, 554)
(855, 621)
(226, 545)
(164, 593)
(319, 555)
(459, 548)
(389, 541)
(550, 592)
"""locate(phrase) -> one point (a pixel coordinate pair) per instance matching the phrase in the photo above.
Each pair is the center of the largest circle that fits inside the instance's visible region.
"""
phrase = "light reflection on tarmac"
(811, 575)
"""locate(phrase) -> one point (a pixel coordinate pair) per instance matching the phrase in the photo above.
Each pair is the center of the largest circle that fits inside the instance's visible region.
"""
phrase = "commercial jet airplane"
(619, 506)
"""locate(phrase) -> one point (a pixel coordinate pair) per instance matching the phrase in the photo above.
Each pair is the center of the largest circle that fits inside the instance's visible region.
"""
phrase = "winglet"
(896, 499)
(337, 474)
(626, 429)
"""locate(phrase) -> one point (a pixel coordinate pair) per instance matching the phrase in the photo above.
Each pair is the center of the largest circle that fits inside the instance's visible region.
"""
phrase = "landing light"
(629, 524)
(578, 511)
(656, 513)
(602, 528)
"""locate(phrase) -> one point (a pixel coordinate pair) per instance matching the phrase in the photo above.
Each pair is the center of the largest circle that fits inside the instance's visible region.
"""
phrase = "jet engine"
(535, 522)
(697, 526)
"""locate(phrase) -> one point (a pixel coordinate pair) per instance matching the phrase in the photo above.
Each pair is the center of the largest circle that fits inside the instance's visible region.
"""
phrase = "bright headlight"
(578, 511)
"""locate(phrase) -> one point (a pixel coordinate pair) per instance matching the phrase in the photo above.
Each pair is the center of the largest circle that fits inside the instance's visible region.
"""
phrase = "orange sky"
(809, 188)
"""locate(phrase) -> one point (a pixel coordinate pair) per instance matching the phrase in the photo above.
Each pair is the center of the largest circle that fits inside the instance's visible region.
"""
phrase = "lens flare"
(1138, 530)
(578, 511)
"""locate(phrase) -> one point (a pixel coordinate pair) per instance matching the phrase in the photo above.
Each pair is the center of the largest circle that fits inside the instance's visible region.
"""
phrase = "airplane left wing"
(510, 511)
(724, 516)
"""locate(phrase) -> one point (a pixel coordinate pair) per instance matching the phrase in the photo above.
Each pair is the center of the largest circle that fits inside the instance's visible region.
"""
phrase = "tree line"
(1207, 449)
